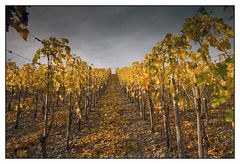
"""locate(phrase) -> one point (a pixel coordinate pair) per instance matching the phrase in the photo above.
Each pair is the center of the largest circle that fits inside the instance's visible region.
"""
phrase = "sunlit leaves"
(182, 55)
(12, 73)
(189, 68)
(224, 44)
(230, 69)
(171, 89)
(36, 57)
(230, 33)
(197, 26)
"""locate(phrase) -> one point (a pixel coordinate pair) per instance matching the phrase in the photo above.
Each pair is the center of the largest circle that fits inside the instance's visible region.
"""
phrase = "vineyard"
(177, 103)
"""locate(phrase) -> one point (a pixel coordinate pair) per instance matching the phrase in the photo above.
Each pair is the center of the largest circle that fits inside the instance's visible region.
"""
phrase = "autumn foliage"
(177, 103)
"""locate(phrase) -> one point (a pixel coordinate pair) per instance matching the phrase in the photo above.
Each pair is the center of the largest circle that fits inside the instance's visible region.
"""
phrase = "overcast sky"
(103, 36)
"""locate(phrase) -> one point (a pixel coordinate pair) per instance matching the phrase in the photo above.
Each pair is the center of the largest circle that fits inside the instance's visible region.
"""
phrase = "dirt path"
(116, 130)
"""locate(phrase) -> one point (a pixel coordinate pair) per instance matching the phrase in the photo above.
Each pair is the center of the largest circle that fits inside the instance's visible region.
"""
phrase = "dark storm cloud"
(105, 36)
